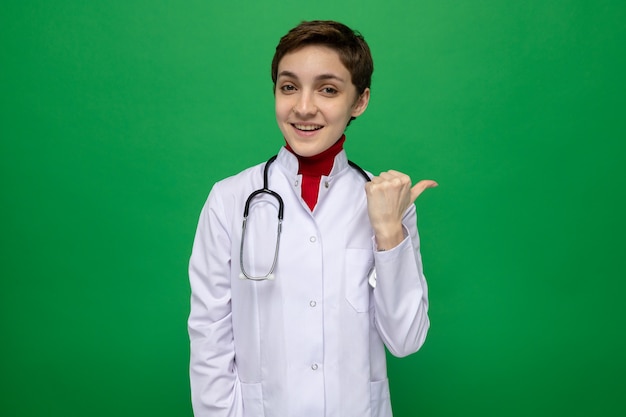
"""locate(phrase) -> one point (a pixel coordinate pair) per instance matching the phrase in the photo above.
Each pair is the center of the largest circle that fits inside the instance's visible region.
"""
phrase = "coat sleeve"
(215, 388)
(401, 294)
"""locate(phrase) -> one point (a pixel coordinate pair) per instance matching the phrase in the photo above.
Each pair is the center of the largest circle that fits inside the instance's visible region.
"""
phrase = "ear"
(361, 103)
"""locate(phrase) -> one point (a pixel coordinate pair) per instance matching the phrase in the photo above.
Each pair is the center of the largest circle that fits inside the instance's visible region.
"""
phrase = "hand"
(388, 197)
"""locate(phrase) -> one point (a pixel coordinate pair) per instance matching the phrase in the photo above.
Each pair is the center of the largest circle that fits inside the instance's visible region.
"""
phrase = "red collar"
(320, 164)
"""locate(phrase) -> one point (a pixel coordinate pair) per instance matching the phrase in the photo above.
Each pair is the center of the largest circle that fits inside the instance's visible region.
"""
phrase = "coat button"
(312, 303)
(313, 239)
(314, 367)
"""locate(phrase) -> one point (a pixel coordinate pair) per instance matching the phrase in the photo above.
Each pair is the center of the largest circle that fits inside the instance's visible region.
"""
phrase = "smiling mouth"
(307, 128)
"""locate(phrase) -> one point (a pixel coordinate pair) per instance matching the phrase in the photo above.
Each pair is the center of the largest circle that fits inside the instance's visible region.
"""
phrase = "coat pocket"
(380, 398)
(359, 263)
(252, 395)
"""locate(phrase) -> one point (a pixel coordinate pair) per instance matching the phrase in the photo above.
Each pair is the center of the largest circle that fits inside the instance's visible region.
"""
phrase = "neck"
(320, 164)
(313, 167)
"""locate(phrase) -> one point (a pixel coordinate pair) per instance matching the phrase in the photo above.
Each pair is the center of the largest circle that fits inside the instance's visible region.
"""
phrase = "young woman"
(291, 318)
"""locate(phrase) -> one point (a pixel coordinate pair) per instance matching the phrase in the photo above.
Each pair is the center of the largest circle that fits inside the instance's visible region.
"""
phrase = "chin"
(303, 151)
(308, 150)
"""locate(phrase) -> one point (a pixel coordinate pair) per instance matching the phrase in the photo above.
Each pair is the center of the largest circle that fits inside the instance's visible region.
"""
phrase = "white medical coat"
(311, 342)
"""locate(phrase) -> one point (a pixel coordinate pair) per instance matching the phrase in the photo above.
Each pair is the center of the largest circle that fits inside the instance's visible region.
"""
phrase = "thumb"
(419, 188)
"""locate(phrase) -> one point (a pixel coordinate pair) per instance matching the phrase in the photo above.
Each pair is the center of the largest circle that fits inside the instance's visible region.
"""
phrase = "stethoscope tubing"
(281, 208)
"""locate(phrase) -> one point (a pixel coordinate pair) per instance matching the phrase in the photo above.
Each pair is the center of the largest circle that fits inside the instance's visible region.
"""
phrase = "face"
(315, 99)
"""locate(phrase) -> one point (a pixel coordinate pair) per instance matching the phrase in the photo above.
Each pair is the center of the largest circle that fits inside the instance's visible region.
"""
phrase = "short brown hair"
(353, 51)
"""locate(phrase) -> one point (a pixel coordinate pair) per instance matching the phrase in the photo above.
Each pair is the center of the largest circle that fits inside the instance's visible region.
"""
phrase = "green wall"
(117, 116)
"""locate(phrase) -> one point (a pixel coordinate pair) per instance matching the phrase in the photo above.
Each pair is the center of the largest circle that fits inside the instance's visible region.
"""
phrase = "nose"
(305, 105)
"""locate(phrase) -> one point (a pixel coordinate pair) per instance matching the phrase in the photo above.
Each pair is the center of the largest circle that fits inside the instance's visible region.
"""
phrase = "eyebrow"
(321, 77)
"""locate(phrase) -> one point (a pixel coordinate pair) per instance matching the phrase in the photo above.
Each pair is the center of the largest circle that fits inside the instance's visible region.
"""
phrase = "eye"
(288, 88)
(331, 91)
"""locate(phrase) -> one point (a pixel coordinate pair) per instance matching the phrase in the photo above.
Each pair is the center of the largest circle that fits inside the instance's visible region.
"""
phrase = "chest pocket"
(359, 263)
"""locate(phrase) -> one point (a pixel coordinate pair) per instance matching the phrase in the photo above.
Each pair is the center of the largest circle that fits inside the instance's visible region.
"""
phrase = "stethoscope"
(281, 207)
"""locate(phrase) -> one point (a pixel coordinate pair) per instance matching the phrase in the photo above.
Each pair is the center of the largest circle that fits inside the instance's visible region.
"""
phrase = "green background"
(117, 117)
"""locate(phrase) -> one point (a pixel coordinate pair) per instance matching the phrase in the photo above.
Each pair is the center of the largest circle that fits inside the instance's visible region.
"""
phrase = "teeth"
(307, 127)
